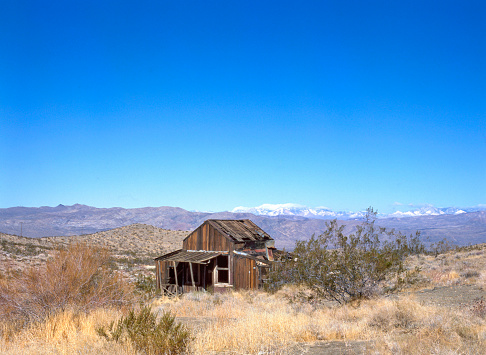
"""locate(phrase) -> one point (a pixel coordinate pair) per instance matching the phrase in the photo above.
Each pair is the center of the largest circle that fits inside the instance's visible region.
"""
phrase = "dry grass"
(466, 266)
(67, 332)
(259, 323)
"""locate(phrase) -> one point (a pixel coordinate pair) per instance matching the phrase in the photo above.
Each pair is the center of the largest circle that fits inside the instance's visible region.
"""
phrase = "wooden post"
(205, 270)
(192, 276)
(175, 273)
(163, 275)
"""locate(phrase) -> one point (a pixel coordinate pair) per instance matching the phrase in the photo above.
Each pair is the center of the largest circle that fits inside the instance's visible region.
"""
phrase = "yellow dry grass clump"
(465, 266)
(67, 332)
(260, 323)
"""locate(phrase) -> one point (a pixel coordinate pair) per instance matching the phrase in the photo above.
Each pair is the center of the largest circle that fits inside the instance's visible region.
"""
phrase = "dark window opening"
(223, 276)
(222, 270)
(222, 261)
(171, 275)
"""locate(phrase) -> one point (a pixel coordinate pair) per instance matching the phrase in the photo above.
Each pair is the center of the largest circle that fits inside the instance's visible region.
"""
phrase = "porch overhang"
(191, 256)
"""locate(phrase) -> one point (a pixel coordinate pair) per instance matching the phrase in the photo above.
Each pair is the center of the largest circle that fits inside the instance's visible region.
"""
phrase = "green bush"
(344, 267)
(441, 247)
(147, 335)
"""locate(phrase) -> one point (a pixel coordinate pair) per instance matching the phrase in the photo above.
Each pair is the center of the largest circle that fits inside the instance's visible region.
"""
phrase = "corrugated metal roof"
(240, 229)
(193, 256)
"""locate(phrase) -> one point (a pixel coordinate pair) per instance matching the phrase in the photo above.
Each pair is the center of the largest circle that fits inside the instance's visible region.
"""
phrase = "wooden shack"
(218, 255)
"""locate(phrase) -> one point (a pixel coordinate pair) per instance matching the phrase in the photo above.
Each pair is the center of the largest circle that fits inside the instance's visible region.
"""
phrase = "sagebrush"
(148, 335)
(76, 278)
(344, 267)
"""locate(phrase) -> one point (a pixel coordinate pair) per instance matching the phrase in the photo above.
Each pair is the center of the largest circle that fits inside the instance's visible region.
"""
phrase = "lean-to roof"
(193, 256)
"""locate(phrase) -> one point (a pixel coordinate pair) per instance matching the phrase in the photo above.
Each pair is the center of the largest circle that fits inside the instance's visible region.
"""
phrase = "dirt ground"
(331, 348)
(451, 296)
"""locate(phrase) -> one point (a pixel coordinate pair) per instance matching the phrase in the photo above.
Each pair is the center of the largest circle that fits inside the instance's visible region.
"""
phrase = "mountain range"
(285, 223)
(291, 209)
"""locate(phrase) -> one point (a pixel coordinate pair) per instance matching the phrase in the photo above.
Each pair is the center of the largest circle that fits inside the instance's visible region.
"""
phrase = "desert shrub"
(479, 308)
(75, 278)
(470, 273)
(441, 247)
(344, 267)
(146, 286)
(147, 335)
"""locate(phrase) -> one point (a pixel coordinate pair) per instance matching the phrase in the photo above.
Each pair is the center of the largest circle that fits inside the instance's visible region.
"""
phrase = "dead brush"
(410, 328)
(76, 278)
(479, 308)
(402, 315)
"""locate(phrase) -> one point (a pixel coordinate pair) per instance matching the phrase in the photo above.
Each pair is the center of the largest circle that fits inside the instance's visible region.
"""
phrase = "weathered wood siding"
(161, 272)
(207, 238)
(245, 274)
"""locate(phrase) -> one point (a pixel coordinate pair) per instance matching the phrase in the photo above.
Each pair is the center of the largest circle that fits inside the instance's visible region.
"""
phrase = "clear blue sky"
(209, 105)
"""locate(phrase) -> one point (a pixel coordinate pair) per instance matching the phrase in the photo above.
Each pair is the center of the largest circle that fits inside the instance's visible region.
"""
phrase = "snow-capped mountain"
(292, 209)
(427, 211)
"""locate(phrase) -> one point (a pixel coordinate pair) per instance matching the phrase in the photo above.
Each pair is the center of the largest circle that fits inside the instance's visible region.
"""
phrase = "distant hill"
(140, 239)
(462, 229)
(131, 247)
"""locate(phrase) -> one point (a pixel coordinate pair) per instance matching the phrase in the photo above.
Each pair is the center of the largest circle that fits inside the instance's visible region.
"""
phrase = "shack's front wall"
(244, 274)
(206, 237)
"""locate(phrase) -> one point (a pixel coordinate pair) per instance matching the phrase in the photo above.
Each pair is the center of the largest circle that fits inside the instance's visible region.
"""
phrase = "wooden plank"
(192, 275)
(204, 277)
(210, 240)
(175, 273)
(249, 273)
(231, 269)
(252, 275)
